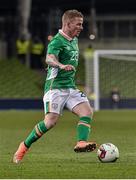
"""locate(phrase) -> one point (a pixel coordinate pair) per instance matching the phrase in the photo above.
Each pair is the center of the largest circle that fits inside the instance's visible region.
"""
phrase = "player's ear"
(69, 25)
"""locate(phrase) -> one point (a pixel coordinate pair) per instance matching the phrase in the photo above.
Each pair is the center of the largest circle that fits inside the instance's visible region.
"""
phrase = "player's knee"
(50, 123)
(88, 112)
(91, 112)
(51, 120)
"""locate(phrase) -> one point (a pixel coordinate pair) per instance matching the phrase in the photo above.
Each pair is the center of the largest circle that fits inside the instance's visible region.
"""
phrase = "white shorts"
(55, 100)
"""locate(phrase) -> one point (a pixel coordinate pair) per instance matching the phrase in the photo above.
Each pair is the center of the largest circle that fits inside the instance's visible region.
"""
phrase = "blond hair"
(71, 14)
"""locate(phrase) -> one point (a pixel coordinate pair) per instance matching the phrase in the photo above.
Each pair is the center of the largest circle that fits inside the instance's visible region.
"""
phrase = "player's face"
(76, 26)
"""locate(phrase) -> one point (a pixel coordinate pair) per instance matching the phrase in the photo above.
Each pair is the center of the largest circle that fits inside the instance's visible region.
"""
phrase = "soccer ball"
(108, 152)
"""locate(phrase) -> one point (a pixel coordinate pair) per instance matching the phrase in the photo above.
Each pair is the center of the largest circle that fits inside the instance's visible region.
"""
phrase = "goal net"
(114, 69)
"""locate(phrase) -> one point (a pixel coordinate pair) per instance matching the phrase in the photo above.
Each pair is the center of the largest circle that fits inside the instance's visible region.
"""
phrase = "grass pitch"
(52, 157)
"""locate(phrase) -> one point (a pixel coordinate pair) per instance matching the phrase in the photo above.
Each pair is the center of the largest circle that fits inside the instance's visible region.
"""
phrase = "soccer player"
(60, 89)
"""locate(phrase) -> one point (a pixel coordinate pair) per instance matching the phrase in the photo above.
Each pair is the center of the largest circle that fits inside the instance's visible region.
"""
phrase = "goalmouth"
(113, 68)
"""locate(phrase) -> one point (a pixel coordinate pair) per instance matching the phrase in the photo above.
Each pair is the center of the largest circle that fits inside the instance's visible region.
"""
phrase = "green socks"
(83, 128)
(83, 131)
(36, 133)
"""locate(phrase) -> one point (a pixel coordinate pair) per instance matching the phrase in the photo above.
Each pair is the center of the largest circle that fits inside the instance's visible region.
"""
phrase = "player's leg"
(83, 110)
(52, 110)
(41, 128)
(79, 105)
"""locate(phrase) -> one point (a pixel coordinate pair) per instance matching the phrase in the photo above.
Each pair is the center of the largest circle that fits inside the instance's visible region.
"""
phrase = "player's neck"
(66, 34)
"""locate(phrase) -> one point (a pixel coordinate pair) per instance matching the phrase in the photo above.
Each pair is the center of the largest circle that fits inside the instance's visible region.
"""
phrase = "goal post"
(96, 81)
(110, 67)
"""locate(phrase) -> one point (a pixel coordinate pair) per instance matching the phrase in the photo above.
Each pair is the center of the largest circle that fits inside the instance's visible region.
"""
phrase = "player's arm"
(52, 61)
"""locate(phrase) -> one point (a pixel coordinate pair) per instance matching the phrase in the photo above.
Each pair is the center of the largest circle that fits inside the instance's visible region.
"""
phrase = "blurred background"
(25, 30)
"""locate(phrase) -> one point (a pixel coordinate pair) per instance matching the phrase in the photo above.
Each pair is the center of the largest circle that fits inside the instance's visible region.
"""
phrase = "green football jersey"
(67, 53)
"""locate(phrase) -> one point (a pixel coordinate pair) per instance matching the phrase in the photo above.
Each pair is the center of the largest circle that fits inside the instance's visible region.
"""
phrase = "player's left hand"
(67, 67)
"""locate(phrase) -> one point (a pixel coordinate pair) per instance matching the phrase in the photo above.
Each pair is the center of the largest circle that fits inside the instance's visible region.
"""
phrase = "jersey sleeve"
(54, 47)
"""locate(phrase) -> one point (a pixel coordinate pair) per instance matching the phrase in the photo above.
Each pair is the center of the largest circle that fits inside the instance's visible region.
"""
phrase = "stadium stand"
(17, 81)
(115, 27)
(20, 87)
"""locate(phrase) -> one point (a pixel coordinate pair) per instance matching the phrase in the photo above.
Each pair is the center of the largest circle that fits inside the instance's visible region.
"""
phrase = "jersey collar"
(65, 35)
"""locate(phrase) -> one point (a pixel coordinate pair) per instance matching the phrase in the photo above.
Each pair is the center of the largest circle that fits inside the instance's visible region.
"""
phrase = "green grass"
(53, 156)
